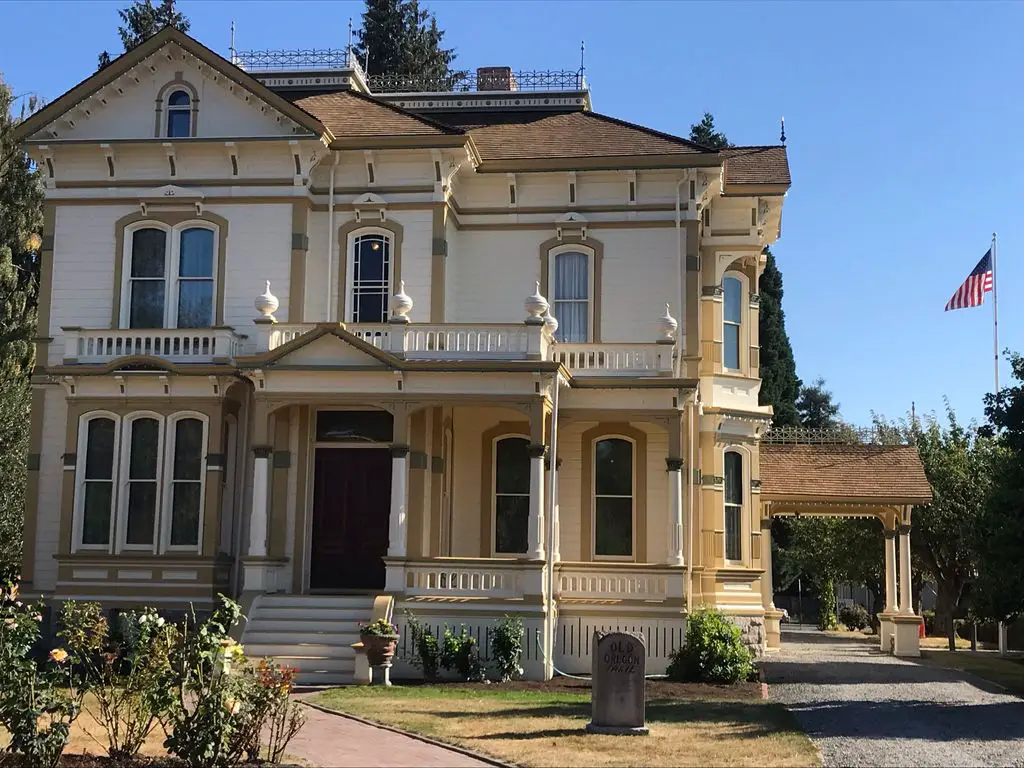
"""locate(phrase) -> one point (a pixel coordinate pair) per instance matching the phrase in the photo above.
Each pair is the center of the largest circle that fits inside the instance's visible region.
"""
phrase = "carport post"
(890, 571)
(905, 577)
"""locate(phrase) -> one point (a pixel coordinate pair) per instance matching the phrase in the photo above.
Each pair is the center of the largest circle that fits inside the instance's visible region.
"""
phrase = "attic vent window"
(179, 115)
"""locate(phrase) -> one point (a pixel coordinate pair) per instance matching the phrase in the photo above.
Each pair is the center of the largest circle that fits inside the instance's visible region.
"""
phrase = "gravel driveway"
(862, 708)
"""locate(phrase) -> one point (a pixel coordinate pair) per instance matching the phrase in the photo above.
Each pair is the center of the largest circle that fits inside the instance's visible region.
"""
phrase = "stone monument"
(618, 661)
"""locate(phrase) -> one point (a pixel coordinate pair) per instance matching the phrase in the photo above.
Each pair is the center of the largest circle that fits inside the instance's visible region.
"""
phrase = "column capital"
(547, 462)
(766, 523)
(536, 450)
(674, 464)
(903, 530)
(399, 451)
(262, 451)
(890, 533)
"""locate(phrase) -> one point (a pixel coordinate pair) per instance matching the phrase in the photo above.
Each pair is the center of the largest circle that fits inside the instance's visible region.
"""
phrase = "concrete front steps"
(312, 633)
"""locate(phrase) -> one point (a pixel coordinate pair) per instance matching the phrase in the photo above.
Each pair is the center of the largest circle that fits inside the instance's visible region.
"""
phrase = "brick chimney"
(495, 79)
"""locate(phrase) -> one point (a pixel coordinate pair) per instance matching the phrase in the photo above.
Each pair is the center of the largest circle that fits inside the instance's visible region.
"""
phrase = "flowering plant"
(379, 628)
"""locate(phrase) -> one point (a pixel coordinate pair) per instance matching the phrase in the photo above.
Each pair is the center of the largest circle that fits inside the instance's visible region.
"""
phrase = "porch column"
(258, 517)
(535, 528)
(767, 589)
(890, 571)
(905, 577)
(398, 527)
(675, 509)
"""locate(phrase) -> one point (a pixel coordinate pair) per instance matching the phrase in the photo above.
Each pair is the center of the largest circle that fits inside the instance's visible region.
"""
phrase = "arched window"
(370, 285)
(732, 321)
(511, 495)
(187, 439)
(179, 115)
(733, 505)
(613, 498)
(96, 477)
(141, 481)
(570, 296)
(170, 276)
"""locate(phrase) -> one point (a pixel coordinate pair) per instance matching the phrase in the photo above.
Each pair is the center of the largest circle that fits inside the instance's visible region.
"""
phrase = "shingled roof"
(882, 474)
(352, 114)
(756, 165)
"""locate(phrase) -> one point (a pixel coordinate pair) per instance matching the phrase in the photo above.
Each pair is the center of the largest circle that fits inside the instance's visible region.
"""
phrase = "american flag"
(978, 283)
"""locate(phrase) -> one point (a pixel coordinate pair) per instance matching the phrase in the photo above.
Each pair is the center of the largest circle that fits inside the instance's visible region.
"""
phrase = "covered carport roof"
(837, 473)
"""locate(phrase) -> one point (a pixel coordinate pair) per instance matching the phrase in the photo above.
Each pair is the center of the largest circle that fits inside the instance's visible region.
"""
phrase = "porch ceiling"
(837, 477)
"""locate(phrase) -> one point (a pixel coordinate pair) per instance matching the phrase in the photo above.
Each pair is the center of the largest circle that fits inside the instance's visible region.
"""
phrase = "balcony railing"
(178, 345)
(615, 359)
(467, 578)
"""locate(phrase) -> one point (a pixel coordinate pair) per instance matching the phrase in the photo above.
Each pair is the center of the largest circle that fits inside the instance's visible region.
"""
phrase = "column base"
(261, 574)
(772, 629)
(906, 642)
(363, 674)
(885, 632)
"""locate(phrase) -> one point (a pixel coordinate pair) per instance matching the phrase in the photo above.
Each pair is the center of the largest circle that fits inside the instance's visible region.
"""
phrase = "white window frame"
(188, 109)
(124, 466)
(744, 455)
(591, 299)
(172, 258)
(494, 500)
(593, 497)
(350, 271)
(168, 486)
(743, 342)
(78, 522)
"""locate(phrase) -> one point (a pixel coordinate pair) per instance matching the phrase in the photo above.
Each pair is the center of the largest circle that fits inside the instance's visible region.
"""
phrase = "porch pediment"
(326, 347)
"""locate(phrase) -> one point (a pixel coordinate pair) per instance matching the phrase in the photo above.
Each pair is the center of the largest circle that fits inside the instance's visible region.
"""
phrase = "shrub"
(38, 703)
(426, 653)
(714, 651)
(461, 652)
(507, 647)
(855, 616)
(272, 713)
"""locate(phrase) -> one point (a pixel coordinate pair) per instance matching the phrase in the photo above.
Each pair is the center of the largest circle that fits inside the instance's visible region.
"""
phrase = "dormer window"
(179, 115)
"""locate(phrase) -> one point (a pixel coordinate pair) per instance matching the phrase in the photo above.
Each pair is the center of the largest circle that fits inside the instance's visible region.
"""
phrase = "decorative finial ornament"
(668, 326)
(401, 305)
(783, 136)
(267, 304)
(550, 324)
(535, 306)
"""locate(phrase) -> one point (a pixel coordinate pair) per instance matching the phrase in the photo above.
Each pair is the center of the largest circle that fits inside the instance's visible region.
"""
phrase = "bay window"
(732, 322)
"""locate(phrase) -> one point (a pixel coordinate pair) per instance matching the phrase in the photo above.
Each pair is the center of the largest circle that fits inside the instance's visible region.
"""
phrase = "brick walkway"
(338, 742)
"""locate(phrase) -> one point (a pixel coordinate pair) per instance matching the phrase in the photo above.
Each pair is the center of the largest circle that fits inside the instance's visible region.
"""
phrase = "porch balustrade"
(619, 581)
(459, 577)
(184, 345)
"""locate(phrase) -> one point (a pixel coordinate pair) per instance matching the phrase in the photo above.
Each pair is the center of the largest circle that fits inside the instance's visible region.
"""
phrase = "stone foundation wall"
(753, 633)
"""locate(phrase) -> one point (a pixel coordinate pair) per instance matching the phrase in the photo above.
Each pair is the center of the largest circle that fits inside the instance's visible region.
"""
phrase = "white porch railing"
(464, 578)
(471, 342)
(186, 345)
(623, 582)
(615, 359)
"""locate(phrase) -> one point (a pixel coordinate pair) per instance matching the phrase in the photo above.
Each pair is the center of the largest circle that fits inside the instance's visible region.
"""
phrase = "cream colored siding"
(259, 249)
(570, 490)
(639, 275)
(51, 475)
(483, 191)
(601, 189)
(494, 273)
(731, 215)
(451, 298)
(317, 280)
(658, 533)
(418, 236)
(543, 190)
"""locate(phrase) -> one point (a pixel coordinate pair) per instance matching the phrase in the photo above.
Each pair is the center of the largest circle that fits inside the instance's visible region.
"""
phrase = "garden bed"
(541, 724)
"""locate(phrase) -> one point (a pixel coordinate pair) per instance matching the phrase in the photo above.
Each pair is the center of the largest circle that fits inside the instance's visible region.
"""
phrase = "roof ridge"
(651, 131)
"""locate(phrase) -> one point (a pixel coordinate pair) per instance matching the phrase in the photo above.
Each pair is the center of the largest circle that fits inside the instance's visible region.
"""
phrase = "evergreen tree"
(141, 20)
(816, 408)
(398, 37)
(780, 386)
(21, 202)
(705, 133)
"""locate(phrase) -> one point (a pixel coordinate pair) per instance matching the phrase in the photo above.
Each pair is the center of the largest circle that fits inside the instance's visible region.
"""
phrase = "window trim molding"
(744, 343)
(78, 519)
(179, 83)
(347, 233)
(164, 533)
(591, 255)
(588, 506)
(494, 500)
(745, 534)
(121, 542)
(488, 443)
(168, 220)
(573, 240)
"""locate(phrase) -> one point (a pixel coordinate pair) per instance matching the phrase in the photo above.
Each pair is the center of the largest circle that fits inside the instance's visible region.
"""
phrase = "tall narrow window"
(613, 498)
(571, 297)
(195, 278)
(733, 289)
(148, 279)
(97, 491)
(733, 506)
(186, 483)
(511, 495)
(179, 115)
(141, 503)
(371, 278)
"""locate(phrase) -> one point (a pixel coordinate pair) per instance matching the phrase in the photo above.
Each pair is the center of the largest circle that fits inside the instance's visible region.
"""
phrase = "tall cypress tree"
(398, 37)
(780, 386)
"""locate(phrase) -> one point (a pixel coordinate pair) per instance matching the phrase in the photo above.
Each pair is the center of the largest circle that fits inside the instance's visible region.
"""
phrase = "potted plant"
(379, 638)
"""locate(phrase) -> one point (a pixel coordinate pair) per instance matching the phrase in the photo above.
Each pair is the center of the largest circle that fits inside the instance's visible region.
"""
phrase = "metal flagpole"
(995, 313)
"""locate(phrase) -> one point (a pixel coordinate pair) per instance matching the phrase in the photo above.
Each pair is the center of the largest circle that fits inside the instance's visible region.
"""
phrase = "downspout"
(330, 241)
(691, 498)
(679, 278)
(549, 656)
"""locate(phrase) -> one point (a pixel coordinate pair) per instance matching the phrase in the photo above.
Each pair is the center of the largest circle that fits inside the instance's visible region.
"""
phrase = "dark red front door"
(351, 506)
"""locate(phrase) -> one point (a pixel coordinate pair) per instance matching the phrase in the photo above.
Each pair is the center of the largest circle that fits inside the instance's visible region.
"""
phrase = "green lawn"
(988, 665)
(545, 728)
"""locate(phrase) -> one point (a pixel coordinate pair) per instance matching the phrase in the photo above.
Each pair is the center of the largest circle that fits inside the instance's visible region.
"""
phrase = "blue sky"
(904, 123)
